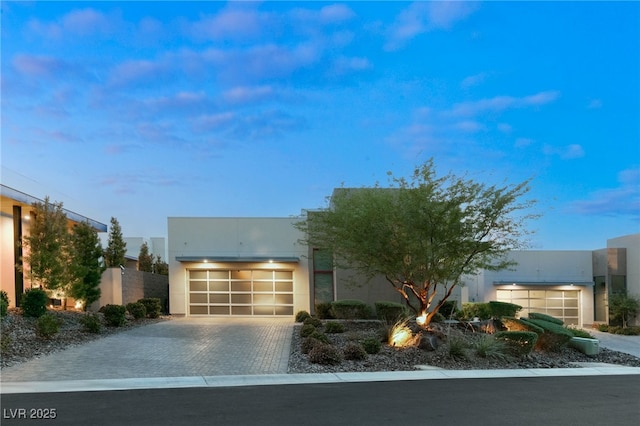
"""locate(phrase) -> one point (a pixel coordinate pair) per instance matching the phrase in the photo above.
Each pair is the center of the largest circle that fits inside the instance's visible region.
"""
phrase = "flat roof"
(239, 259)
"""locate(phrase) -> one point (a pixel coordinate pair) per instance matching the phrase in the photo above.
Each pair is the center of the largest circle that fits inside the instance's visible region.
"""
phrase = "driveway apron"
(177, 348)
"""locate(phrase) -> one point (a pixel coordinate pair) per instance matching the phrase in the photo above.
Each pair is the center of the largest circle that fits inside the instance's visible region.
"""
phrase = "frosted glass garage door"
(240, 292)
(562, 304)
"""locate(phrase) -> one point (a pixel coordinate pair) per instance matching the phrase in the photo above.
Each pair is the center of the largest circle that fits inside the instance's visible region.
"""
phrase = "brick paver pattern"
(178, 348)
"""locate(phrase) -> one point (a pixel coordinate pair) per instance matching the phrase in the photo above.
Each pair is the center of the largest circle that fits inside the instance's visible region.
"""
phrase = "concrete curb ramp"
(589, 369)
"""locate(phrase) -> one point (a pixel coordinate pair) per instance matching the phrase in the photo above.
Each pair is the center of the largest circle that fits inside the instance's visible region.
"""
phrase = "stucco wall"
(119, 289)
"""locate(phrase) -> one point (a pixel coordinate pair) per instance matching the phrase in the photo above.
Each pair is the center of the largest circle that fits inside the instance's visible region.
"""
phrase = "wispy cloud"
(421, 17)
(234, 23)
(502, 103)
(624, 200)
(567, 152)
(473, 80)
(81, 22)
(246, 94)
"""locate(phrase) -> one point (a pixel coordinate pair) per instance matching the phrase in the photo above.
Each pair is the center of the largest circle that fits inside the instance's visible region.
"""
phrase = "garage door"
(562, 304)
(240, 292)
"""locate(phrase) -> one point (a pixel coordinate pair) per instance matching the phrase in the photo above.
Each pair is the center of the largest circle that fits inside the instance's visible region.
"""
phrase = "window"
(322, 276)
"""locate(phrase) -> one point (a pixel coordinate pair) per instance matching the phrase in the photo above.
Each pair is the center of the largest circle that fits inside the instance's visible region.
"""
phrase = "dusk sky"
(149, 110)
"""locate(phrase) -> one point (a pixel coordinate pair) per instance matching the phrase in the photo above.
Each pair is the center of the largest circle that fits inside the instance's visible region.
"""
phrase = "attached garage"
(244, 292)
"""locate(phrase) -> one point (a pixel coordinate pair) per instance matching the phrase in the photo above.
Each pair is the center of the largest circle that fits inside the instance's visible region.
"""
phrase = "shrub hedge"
(114, 315)
(137, 309)
(520, 343)
(34, 303)
(91, 323)
(313, 321)
(152, 305)
(471, 310)
(554, 337)
(389, 311)
(306, 330)
(515, 324)
(354, 351)
(371, 345)
(4, 303)
(545, 317)
(351, 309)
(324, 311)
(325, 354)
(302, 315)
(334, 327)
(503, 309)
(47, 326)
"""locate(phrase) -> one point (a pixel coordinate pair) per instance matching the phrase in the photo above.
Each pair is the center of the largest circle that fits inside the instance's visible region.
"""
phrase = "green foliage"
(313, 321)
(390, 311)
(578, 332)
(333, 327)
(351, 309)
(302, 315)
(545, 317)
(554, 337)
(137, 310)
(519, 343)
(114, 315)
(145, 260)
(324, 311)
(626, 331)
(515, 324)
(457, 348)
(34, 302)
(114, 254)
(86, 265)
(306, 330)
(48, 326)
(503, 309)
(602, 327)
(160, 267)
(4, 308)
(4, 303)
(354, 351)
(423, 233)
(449, 309)
(487, 346)
(438, 318)
(472, 310)
(623, 307)
(325, 354)
(152, 305)
(47, 247)
(309, 343)
(371, 345)
(91, 323)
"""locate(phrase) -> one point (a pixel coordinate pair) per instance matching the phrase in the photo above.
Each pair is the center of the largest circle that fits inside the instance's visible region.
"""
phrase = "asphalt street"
(592, 400)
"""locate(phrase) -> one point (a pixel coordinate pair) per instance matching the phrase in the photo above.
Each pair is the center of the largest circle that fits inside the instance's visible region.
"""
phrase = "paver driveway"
(177, 348)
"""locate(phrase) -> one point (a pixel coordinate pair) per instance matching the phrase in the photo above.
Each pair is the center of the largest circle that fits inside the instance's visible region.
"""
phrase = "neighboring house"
(17, 209)
(259, 267)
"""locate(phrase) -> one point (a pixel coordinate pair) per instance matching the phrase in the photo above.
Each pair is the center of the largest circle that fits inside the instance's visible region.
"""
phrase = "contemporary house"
(259, 267)
(16, 208)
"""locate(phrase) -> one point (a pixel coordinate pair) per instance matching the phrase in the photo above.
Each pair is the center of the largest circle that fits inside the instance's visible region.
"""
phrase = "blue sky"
(149, 110)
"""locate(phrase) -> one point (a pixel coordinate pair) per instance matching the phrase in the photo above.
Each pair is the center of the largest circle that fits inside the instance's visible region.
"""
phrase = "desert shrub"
(554, 337)
(324, 311)
(545, 317)
(47, 326)
(503, 309)
(457, 348)
(302, 315)
(601, 327)
(4, 308)
(309, 343)
(626, 331)
(354, 351)
(578, 332)
(334, 327)
(34, 303)
(487, 346)
(438, 318)
(313, 321)
(137, 309)
(114, 315)
(351, 309)
(152, 305)
(515, 324)
(325, 354)
(371, 345)
(318, 335)
(4, 297)
(306, 330)
(91, 323)
(472, 310)
(390, 311)
(519, 343)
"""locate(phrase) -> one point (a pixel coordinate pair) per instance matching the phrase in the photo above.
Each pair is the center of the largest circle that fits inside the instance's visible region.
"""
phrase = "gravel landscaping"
(20, 343)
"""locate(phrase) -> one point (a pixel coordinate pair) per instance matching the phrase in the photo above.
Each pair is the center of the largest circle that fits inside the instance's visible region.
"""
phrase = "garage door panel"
(240, 292)
(562, 304)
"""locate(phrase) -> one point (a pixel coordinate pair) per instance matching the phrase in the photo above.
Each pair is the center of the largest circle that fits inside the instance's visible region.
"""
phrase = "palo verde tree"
(47, 254)
(86, 265)
(145, 260)
(423, 234)
(114, 254)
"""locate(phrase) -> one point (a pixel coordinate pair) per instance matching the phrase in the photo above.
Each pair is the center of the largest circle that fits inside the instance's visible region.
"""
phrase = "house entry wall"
(244, 292)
